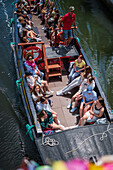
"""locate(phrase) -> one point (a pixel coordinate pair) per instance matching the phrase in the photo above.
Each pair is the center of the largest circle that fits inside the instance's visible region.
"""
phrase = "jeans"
(73, 73)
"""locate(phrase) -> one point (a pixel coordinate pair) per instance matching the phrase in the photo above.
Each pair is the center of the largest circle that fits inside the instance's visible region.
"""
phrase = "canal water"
(95, 31)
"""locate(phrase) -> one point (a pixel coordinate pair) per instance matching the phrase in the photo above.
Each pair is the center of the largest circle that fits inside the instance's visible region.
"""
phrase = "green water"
(95, 31)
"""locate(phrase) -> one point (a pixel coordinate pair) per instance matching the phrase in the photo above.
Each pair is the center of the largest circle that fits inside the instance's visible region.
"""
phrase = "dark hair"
(42, 99)
(27, 73)
(87, 71)
(101, 101)
(28, 54)
(24, 24)
(91, 78)
(24, 33)
(33, 91)
(41, 114)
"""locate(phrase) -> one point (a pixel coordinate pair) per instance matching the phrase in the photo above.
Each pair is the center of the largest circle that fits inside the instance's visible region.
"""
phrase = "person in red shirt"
(68, 19)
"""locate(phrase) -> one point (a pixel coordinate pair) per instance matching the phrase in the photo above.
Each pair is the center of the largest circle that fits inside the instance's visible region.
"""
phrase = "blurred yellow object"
(60, 165)
(94, 167)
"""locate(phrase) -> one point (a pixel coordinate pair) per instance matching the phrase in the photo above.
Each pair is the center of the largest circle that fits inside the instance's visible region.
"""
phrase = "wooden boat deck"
(59, 102)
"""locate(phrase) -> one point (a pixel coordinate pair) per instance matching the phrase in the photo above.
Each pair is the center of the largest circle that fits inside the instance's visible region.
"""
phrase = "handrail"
(30, 43)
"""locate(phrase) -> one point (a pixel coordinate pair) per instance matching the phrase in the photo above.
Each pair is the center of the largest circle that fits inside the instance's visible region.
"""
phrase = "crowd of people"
(90, 107)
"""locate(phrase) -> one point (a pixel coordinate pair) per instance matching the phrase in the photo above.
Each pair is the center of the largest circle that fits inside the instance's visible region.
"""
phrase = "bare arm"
(100, 114)
(83, 68)
(75, 67)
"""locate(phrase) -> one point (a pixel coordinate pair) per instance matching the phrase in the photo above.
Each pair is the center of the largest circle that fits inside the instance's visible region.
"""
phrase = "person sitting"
(30, 80)
(47, 121)
(31, 67)
(43, 104)
(29, 36)
(60, 38)
(78, 95)
(36, 93)
(89, 96)
(76, 82)
(79, 65)
(96, 111)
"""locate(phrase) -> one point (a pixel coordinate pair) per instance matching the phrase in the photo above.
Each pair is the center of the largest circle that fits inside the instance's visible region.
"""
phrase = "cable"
(101, 138)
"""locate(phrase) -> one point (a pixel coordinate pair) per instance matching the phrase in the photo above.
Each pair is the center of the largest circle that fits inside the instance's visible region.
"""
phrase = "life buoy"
(33, 50)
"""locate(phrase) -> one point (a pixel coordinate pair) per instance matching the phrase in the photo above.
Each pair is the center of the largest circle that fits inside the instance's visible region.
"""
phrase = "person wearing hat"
(78, 95)
(68, 19)
(31, 67)
(89, 96)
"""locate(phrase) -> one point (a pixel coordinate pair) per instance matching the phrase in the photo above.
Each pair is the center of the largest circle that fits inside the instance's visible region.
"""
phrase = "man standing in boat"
(68, 19)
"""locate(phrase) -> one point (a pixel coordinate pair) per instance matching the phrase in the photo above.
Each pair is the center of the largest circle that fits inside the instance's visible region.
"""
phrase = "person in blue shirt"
(89, 96)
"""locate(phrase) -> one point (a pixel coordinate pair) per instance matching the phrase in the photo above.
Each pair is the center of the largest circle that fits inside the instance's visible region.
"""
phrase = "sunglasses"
(29, 58)
(37, 88)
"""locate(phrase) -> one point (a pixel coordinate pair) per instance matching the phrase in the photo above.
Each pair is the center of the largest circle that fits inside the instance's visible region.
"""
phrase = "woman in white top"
(78, 95)
(36, 93)
(32, 80)
(43, 104)
(96, 111)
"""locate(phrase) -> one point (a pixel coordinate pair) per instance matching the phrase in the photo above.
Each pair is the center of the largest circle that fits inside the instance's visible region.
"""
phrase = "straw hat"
(28, 54)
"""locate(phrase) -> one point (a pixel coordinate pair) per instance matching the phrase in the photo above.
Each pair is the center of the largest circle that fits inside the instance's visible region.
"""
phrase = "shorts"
(86, 101)
(67, 33)
(89, 119)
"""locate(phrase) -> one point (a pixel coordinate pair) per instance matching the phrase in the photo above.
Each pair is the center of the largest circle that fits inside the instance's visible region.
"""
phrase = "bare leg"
(65, 41)
(69, 40)
(78, 97)
(45, 85)
(82, 121)
(81, 109)
(55, 126)
(86, 108)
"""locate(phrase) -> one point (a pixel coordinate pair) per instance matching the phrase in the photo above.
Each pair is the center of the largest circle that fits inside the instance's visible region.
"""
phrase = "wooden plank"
(52, 74)
(54, 66)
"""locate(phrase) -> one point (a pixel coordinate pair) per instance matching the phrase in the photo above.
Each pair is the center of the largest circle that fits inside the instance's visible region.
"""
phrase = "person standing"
(68, 19)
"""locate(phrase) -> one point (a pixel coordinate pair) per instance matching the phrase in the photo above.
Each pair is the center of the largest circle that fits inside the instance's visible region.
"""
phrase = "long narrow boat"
(82, 142)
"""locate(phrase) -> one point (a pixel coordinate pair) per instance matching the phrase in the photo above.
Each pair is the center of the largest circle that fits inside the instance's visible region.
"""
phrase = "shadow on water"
(14, 144)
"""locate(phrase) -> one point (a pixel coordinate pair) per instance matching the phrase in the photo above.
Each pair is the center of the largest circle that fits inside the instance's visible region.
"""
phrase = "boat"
(82, 142)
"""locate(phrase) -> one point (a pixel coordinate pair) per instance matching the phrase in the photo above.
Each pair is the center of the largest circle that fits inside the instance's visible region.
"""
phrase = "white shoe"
(62, 126)
(44, 28)
(49, 92)
(59, 93)
(76, 126)
(69, 106)
(38, 39)
(59, 122)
